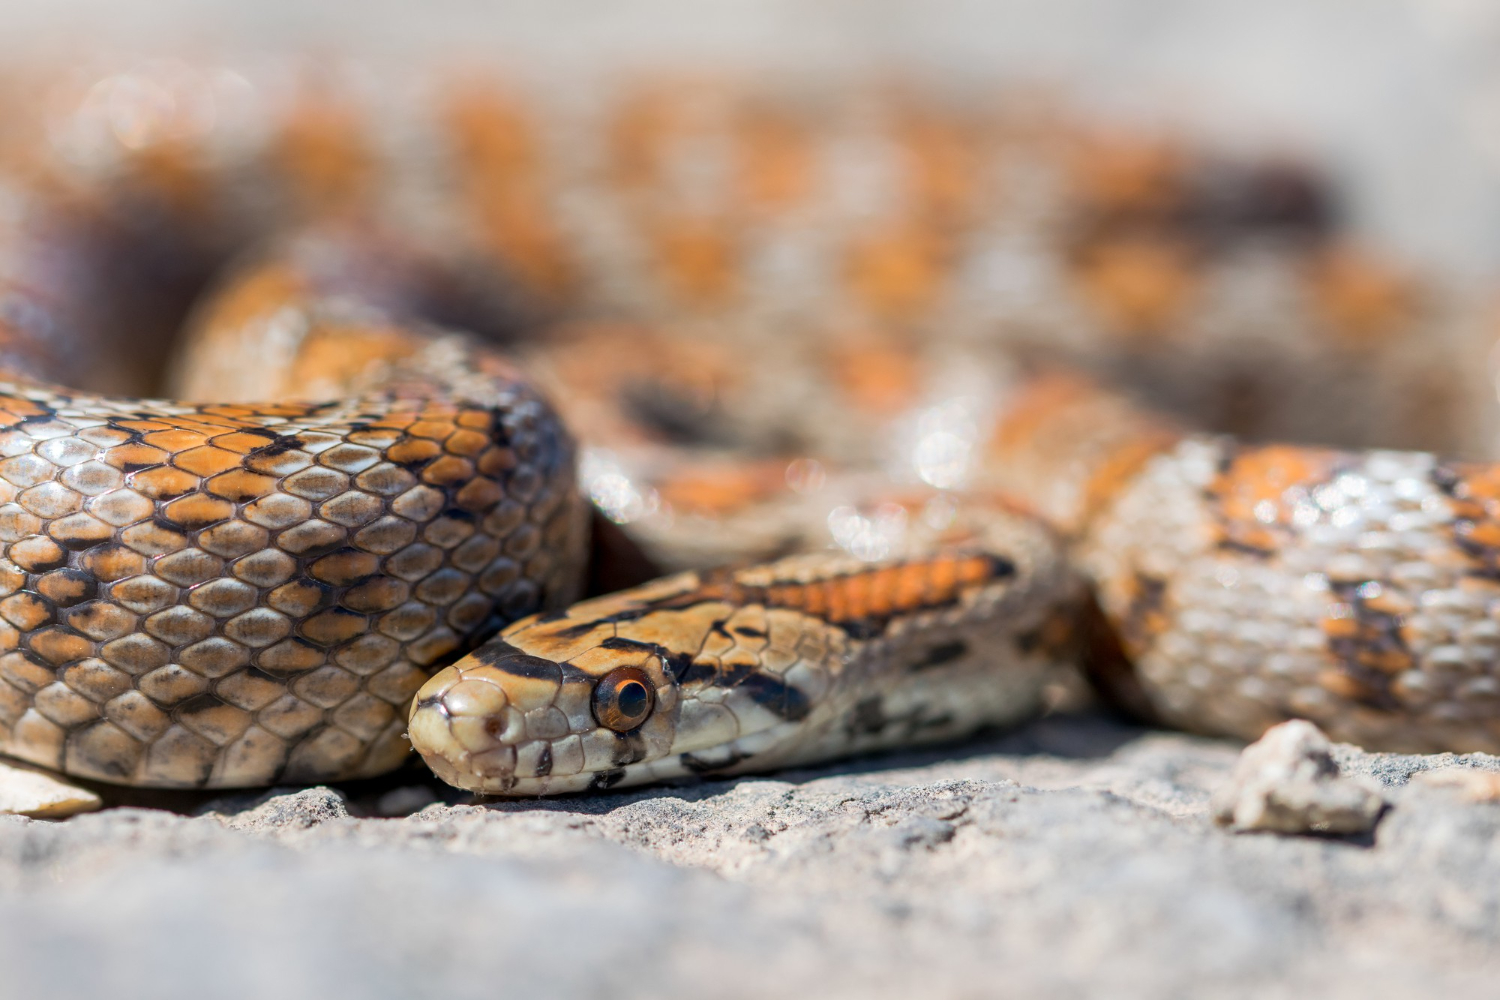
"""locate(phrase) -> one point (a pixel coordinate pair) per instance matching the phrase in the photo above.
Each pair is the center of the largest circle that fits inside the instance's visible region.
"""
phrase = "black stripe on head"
(678, 665)
(508, 659)
(693, 672)
(776, 696)
(621, 643)
(735, 674)
(584, 628)
(504, 657)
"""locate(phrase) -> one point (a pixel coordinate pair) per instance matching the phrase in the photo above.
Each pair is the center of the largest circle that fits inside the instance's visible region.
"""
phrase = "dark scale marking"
(1447, 479)
(1377, 637)
(698, 673)
(160, 520)
(678, 417)
(90, 588)
(544, 761)
(863, 628)
(1234, 545)
(433, 701)
(1142, 620)
(750, 633)
(38, 568)
(326, 591)
(503, 656)
(584, 628)
(867, 717)
(319, 551)
(81, 544)
(942, 653)
(736, 674)
(622, 643)
(698, 765)
(280, 445)
(1227, 457)
(607, 779)
(1001, 568)
(629, 748)
(920, 720)
(784, 700)
(678, 665)
(497, 431)
(1468, 516)
(46, 416)
(187, 523)
(197, 703)
(349, 550)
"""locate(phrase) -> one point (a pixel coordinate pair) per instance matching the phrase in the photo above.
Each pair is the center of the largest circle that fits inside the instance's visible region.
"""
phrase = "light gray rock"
(1288, 782)
(1075, 858)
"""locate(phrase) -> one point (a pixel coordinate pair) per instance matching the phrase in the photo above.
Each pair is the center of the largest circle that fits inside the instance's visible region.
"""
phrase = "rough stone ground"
(1074, 858)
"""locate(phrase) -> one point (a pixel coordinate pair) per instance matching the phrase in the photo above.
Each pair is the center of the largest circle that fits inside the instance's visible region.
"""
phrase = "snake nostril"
(494, 725)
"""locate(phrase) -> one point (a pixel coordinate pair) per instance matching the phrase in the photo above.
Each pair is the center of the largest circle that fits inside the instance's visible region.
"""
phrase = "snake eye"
(623, 699)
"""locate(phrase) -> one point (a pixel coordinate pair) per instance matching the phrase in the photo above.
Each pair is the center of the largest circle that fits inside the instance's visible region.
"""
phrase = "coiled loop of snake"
(250, 591)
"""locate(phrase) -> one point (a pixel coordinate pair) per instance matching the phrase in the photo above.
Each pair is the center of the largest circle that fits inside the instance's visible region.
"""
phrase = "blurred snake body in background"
(798, 345)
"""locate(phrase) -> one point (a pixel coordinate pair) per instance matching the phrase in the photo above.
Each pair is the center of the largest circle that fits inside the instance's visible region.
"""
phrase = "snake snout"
(471, 724)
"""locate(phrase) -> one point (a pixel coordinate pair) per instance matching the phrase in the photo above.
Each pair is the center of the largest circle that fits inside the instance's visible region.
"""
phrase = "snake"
(410, 383)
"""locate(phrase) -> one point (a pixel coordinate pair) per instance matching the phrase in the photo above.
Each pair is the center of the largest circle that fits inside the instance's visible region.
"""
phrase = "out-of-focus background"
(1400, 98)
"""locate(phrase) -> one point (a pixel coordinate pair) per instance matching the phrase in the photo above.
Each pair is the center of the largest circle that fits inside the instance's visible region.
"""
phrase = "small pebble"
(31, 791)
(1288, 782)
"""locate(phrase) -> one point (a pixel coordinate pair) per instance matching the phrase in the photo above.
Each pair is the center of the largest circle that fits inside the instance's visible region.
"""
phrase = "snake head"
(506, 721)
(620, 690)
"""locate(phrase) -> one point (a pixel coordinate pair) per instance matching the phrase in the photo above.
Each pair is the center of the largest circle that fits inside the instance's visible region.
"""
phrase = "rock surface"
(1078, 857)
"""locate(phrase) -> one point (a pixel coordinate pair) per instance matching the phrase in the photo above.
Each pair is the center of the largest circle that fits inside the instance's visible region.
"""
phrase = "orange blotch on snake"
(1251, 493)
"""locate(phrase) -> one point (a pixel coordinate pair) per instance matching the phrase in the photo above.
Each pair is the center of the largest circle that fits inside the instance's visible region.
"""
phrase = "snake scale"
(744, 304)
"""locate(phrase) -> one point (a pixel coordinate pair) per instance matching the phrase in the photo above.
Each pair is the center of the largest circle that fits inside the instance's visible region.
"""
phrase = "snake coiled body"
(793, 336)
(240, 593)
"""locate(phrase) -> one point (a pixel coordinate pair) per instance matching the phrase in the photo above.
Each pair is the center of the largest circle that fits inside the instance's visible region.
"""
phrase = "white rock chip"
(1288, 782)
(30, 791)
